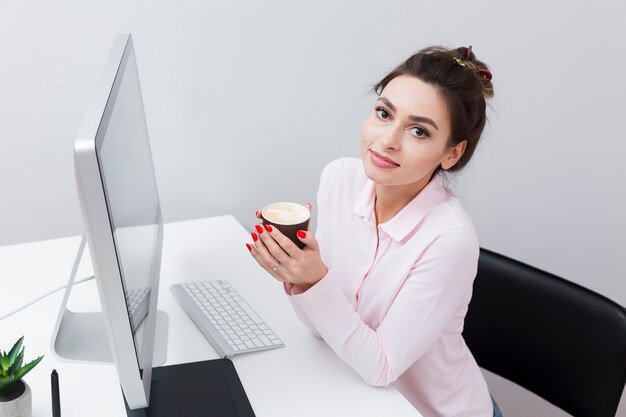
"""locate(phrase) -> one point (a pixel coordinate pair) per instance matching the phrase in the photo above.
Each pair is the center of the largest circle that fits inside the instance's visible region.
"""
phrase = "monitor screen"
(124, 158)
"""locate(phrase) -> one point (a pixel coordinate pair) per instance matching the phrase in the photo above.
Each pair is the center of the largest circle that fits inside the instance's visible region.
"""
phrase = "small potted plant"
(15, 398)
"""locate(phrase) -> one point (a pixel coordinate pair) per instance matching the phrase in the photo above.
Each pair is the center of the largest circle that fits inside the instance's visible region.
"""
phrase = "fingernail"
(259, 228)
(249, 247)
(257, 213)
(301, 234)
(254, 236)
(268, 228)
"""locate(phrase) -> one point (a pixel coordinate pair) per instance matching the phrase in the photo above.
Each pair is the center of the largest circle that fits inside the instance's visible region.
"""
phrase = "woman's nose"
(391, 138)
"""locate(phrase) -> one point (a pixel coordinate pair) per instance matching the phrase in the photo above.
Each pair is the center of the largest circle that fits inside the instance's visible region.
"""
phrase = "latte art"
(286, 213)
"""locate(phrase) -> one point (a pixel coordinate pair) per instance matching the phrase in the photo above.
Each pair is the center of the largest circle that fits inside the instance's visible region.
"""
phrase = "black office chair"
(561, 341)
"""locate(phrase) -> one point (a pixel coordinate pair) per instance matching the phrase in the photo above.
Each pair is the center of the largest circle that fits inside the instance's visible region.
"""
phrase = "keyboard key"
(251, 313)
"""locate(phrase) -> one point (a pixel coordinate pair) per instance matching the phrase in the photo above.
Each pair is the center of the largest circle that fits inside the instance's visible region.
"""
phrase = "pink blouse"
(394, 300)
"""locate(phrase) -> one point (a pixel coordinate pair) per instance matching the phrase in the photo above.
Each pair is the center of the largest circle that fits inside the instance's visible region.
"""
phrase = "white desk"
(305, 378)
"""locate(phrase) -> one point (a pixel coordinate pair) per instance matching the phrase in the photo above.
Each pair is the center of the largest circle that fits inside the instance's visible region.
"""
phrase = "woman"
(387, 278)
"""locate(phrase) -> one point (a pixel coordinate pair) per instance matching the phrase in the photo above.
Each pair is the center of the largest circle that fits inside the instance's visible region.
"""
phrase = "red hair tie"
(485, 74)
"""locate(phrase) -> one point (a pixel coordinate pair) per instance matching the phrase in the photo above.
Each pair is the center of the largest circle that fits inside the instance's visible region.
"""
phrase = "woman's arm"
(432, 293)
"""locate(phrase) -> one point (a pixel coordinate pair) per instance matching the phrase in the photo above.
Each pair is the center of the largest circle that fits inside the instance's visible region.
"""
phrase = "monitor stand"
(82, 337)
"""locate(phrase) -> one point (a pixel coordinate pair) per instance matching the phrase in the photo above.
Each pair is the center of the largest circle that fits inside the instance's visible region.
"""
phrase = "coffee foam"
(286, 213)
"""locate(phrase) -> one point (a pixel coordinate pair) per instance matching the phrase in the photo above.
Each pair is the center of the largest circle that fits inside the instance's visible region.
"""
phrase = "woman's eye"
(382, 113)
(419, 132)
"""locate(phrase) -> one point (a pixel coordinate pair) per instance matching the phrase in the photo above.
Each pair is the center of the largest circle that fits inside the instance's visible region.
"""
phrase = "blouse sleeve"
(433, 292)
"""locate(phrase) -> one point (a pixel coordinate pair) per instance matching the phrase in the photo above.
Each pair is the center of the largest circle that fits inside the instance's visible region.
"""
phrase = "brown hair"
(464, 83)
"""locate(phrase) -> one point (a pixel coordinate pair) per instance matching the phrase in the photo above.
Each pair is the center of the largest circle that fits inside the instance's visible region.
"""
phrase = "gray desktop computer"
(121, 212)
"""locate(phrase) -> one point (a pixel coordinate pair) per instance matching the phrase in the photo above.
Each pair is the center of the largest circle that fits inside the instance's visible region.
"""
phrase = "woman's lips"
(382, 161)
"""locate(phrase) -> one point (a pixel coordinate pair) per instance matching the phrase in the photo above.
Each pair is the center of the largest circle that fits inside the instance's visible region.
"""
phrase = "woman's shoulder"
(341, 172)
(345, 166)
(456, 213)
(450, 219)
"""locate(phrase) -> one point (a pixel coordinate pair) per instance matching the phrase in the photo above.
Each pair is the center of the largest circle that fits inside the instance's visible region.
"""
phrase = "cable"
(44, 296)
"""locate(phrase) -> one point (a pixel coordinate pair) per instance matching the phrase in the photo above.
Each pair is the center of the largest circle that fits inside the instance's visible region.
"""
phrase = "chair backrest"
(561, 341)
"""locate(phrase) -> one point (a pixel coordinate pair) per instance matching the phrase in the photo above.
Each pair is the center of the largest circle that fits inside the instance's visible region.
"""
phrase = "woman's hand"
(285, 261)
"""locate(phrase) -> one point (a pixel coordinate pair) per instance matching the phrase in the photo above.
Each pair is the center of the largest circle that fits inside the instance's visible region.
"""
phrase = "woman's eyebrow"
(420, 119)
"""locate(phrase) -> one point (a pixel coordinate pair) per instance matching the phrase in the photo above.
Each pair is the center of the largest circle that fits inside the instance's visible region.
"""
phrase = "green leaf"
(26, 368)
(4, 363)
(15, 349)
(6, 384)
(18, 363)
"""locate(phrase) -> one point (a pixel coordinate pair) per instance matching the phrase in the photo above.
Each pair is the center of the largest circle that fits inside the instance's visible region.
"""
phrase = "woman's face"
(405, 137)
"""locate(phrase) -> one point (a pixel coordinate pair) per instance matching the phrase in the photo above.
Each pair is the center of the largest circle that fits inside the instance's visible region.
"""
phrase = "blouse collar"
(410, 216)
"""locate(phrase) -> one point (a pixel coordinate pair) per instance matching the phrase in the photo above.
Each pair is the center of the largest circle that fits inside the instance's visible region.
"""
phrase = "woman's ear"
(453, 155)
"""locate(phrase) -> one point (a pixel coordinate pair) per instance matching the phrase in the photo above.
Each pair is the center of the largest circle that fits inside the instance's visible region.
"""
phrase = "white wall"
(246, 101)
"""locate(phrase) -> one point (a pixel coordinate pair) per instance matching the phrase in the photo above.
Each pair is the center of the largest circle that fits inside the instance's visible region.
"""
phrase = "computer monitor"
(118, 195)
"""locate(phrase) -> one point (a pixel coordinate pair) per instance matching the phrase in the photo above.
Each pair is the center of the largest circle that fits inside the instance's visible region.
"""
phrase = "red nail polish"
(259, 228)
(301, 234)
(254, 236)
(249, 247)
(268, 228)
(257, 213)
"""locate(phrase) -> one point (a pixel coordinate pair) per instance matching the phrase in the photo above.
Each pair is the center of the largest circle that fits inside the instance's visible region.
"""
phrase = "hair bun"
(466, 58)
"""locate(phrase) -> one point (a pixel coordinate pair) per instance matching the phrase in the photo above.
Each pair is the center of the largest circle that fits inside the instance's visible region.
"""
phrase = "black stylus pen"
(56, 404)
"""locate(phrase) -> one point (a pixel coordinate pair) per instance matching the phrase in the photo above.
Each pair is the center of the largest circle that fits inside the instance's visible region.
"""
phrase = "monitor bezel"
(135, 377)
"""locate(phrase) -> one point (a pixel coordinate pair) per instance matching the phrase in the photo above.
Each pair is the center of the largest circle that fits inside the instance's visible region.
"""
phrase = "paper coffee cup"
(288, 218)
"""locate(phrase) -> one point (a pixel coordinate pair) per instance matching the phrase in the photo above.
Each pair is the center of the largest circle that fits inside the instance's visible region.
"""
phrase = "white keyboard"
(225, 318)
